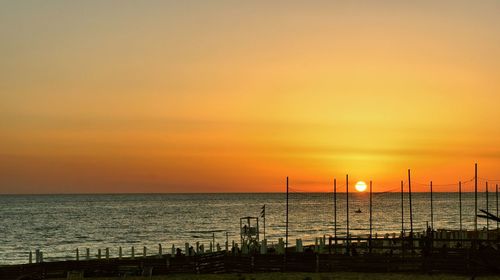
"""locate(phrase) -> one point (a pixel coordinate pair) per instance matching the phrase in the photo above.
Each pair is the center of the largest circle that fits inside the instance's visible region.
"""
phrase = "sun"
(360, 186)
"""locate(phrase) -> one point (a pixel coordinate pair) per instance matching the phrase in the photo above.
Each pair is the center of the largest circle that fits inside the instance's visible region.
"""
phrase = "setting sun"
(360, 186)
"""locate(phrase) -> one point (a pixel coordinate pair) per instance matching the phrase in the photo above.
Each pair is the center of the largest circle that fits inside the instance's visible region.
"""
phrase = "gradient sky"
(232, 96)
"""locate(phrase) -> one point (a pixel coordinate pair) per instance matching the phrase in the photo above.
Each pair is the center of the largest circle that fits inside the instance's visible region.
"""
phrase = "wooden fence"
(465, 261)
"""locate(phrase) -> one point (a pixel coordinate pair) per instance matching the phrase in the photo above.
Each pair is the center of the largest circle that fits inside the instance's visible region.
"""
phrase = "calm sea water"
(58, 224)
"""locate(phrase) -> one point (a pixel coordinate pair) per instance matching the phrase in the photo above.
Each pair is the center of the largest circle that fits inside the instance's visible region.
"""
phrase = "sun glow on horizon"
(360, 186)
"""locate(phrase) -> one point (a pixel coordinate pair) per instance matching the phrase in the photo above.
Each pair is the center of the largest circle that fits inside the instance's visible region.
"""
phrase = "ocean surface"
(58, 224)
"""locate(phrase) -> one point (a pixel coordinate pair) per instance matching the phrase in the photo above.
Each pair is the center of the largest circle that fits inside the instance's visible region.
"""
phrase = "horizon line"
(183, 193)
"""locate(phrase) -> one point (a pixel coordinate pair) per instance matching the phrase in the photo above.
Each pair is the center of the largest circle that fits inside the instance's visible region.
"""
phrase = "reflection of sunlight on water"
(59, 224)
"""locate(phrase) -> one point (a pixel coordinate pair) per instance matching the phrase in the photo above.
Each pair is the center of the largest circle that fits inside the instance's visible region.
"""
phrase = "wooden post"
(298, 246)
(475, 199)
(227, 242)
(402, 221)
(120, 254)
(286, 234)
(99, 254)
(460, 204)
(186, 247)
(77, 255)
(160, 250)
(263, 215)
(30, 260)
(144, 252)
(87, 253)
(107, 253)
(330, 245)
(402, 211)
(335, 212)
(487, 210)
(371, 217)
(213, 239)
(37, 255)
(411, 211)
(432, 210)
(263, 247)
(133, 252)
(347, 207)
(496, 194)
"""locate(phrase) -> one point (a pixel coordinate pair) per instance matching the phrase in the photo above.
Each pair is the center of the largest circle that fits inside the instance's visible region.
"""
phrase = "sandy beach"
(309, 276)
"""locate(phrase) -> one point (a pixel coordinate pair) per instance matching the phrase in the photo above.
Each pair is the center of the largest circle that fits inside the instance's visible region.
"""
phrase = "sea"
(59, 224)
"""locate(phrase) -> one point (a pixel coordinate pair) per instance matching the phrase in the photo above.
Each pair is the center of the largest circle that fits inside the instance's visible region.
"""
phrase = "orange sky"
(226, 96)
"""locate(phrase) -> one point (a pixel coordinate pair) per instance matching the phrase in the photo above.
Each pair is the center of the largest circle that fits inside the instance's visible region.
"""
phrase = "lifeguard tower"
(249, 230)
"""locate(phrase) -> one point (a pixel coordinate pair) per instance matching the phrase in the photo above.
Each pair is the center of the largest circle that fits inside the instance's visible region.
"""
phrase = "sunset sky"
(233, 96)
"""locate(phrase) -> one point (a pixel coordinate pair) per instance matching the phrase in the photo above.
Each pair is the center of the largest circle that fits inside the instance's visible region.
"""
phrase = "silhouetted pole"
(496, 194)
(402, 220)
(264, 219)
(409, 198)
(402, 211)
(460, 204)
(487, 208)
(335, 212)
(347, 206)
(370, 217)
(432, 210)
(475, 197)
(286, 234)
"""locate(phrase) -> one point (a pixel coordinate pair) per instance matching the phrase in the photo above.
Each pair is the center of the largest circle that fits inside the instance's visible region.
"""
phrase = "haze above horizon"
(224, 96)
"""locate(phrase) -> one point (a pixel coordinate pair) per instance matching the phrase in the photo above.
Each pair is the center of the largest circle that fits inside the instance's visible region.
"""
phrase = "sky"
(233, 96)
